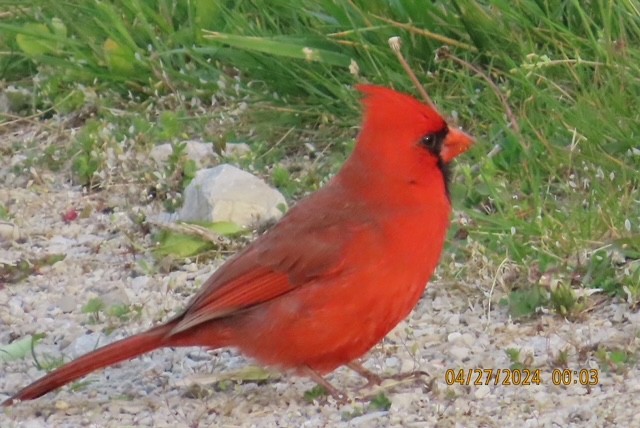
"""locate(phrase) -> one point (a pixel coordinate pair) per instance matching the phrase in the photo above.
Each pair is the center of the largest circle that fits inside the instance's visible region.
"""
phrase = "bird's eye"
(433, 141)
(429, 141)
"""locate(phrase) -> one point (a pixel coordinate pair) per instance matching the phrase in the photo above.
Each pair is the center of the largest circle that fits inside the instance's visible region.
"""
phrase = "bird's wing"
(302, 247)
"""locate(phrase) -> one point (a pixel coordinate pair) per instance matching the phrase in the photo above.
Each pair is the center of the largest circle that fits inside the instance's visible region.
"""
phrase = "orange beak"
(456, 143)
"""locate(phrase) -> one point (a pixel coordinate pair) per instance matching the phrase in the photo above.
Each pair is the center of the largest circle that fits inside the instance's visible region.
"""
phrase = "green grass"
(557, 92)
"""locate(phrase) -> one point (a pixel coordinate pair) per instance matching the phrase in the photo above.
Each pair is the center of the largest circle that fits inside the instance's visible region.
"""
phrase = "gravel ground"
(455, 326)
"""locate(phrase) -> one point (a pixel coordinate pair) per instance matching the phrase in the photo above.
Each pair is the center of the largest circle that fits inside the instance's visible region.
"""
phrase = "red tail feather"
(113, 353)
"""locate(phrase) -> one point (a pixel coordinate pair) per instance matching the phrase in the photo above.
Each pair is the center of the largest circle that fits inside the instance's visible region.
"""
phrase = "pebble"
(392, 362)
(459, 352)
(452, 337)
(67, 304)
(62, 405)
(468, 339)
(86, 343)
(139, 283)
(482, 391)
(401, 402)
(9, 231)
(116, 297)
(367, 418)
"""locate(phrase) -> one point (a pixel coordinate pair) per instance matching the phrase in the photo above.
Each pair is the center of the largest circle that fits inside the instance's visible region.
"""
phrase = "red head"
(395, 123)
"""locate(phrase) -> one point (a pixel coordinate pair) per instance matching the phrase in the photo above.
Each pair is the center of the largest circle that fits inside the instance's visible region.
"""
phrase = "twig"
(445, 53)
(396, 43)
(440, 38)
(190, 229)
(493, 286)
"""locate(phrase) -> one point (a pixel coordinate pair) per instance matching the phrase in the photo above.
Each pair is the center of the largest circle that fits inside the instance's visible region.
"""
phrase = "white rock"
(468, 339)
(86, 343)
(9, 231)
(139, 283)
(161, 153)
(459, 352)
(367, 419)
(401, 402)
(34, 423)
(618, 314)
(482, 391)
(67, 304)
(226, 193)
(116, 297)
(17, 159)
(407, 365)
(454, 336)
(392, 362)
(201, 153)
(532, 422)
(541, 397)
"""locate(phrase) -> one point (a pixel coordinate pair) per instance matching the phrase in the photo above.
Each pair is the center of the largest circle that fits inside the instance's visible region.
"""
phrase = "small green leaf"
(253, 374)
(513, 354)
(36, 40)
(18, 348)
(172, 127)
(119, 311)
(524, 302)
(287, 47)
(618, 357)
(314, 393)
(347, 416)
(380, 402)
(59, 29)
(118, 57)
(181, 246)
(93, 306)
(4, 213)
(225, 228)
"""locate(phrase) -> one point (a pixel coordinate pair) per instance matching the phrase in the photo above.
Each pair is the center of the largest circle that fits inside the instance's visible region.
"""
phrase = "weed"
(525, 302)
(93, 308)
(517, 360)
(614, 359)
(378, 403)
(565, 302)
(314, 394)
(562, 359)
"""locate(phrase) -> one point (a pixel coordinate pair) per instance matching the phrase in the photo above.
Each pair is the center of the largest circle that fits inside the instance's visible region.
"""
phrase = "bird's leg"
(371, 377)
(406, 375)
(374, 379)
(338, 395)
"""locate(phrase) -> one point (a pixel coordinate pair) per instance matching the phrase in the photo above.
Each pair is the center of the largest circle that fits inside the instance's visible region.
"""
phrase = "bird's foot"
(372, 378)
(414, 375)
(374, 386)
(377, 384)
(339, 396)
(376, 380)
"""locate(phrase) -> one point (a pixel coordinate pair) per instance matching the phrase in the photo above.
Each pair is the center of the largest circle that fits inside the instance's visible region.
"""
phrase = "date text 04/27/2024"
(520, 377)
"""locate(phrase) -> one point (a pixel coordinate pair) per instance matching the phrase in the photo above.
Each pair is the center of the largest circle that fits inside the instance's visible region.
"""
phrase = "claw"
(339, 396)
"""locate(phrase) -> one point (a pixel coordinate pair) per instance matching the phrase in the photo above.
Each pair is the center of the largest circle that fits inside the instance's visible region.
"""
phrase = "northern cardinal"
(337, 273)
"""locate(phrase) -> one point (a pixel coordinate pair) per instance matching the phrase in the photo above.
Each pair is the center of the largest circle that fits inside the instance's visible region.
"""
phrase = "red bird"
(337, 273)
